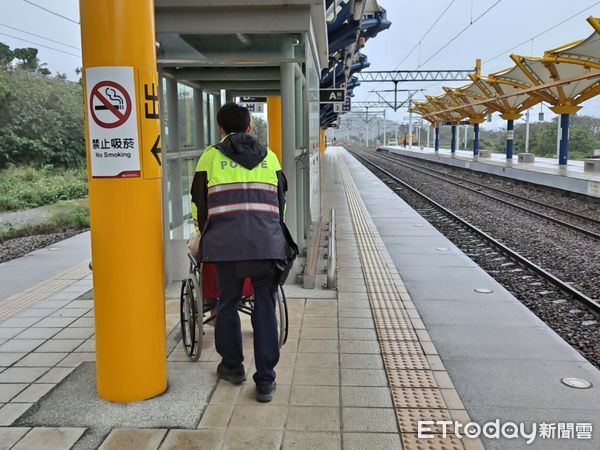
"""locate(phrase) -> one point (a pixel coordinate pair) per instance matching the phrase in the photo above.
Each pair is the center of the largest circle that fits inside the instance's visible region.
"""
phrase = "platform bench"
(591, 164)
(526, 157)
(485, 153)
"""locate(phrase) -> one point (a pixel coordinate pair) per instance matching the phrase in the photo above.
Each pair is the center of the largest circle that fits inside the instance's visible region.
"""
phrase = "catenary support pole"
(118, 47)
(410, 126)
(384, 129)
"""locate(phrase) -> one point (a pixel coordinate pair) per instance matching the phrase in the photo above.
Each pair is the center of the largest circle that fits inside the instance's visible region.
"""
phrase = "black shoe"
(234, 376)
(264, 392)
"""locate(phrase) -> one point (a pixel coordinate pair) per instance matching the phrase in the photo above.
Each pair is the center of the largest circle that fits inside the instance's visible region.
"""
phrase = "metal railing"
(331, 253)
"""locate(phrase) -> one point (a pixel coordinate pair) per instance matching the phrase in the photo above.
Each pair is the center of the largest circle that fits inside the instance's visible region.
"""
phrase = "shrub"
(28, 187)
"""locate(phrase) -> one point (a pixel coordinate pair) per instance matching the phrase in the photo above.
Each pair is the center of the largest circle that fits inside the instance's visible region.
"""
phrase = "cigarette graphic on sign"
(116, 100)
(110, 104)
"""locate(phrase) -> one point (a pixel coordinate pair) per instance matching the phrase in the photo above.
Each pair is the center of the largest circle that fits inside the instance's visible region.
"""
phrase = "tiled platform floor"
(335, 390)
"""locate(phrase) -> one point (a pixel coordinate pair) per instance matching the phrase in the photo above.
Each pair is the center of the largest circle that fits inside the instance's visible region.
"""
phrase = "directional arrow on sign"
(156, 150)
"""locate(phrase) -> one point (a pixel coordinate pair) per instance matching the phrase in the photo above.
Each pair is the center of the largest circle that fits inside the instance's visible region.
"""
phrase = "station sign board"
(332, 95)
(347, 105)
(253, 99)
(254, 107)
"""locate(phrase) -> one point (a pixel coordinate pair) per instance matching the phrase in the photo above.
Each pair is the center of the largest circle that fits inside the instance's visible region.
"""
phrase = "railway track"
(548, 296)
(592, 224)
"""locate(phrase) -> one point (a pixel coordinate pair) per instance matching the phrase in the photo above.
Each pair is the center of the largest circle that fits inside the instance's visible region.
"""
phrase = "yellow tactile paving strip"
(409, 360)
(21, 301)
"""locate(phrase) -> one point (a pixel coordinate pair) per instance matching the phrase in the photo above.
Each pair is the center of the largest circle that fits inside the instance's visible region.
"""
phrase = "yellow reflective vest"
(239, 210)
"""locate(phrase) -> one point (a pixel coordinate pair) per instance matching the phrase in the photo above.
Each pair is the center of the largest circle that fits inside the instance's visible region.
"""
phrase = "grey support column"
(217, 103)
(174, 173)
(199, 116)
(302, 166)
(288, 139)
(229, 97)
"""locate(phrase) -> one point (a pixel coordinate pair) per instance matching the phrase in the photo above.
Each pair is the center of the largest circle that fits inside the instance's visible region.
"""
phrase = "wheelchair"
(195, 305)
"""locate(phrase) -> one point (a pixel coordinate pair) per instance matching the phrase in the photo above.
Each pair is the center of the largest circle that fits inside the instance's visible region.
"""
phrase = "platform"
(406, 338)
(544, 171)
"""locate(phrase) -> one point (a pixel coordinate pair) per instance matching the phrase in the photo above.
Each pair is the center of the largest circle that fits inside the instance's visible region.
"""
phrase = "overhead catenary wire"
(530, 39)
(541, 33)
(39, 36)
(51, 12)
(41, 45)
(461, 32)
(420, 41)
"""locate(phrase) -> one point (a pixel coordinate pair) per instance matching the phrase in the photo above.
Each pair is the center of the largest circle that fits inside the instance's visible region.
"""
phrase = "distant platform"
(543, 171)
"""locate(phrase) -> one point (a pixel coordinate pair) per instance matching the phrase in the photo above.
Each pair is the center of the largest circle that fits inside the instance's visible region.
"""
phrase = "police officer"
(239, 197)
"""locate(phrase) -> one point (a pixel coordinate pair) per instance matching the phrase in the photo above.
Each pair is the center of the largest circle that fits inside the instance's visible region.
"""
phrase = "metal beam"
(528, 91)
(229, 74)
(396, 76)
(255, 93)
(238, 85)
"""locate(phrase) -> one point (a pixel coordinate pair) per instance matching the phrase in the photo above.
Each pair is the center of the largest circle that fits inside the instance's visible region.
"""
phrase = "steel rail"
(426, 171)
(561, 285)
(536, 202)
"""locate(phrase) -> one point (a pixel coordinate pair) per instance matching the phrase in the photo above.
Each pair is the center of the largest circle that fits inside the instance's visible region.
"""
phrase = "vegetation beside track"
(30, 187)
(71, 215)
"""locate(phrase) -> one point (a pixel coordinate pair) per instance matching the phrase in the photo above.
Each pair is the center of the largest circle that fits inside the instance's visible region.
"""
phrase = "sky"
(506, 24)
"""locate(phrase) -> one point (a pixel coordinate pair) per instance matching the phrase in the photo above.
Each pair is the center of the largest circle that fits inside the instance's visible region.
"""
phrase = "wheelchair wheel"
(281, 312)
(191, 311)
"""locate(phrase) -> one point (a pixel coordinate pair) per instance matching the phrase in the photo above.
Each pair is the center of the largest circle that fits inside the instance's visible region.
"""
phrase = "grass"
(30, 187)
(67, 215)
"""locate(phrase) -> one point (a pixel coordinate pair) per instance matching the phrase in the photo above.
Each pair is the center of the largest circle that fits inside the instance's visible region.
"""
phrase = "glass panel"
(169, 193)
(164, 112)
(312, 82)
(186, 112)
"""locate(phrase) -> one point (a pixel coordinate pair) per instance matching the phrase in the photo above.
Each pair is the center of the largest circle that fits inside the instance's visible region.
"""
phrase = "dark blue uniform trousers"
(228, 333)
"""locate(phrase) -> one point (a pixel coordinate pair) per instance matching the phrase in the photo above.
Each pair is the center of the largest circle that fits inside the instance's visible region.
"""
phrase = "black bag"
(283, 266)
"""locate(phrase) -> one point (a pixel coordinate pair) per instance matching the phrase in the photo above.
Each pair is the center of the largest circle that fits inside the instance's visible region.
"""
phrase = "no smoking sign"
(112, 122)
(110, 104)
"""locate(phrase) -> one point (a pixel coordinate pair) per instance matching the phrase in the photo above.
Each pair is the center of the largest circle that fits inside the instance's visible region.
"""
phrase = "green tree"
(259, 129)
(45, 126)
(6, 56)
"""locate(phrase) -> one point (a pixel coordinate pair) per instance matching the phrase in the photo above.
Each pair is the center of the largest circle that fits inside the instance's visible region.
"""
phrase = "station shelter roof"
(563, 77)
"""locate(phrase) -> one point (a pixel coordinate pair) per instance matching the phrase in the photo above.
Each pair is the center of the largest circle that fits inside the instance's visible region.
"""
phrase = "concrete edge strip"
(420, 385)
(41, 291)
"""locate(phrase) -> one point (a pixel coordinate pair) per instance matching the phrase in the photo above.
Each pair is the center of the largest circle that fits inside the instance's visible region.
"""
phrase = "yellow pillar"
(118, 46)
(322, 140)
(274, 122)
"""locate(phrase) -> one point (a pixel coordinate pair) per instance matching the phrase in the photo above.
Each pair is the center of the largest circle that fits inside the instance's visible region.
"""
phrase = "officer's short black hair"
(233, 118)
